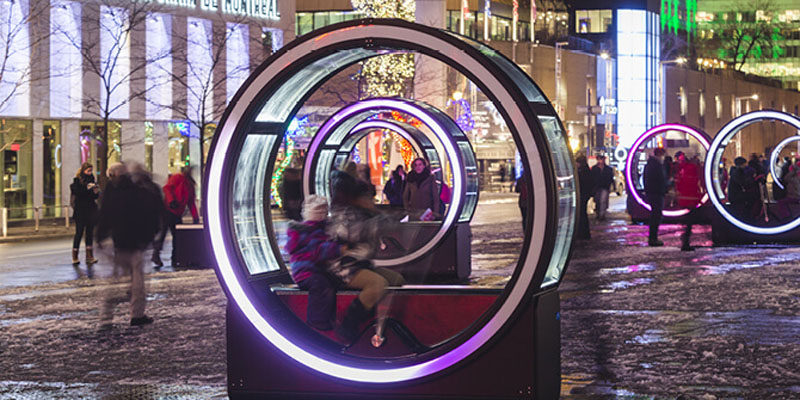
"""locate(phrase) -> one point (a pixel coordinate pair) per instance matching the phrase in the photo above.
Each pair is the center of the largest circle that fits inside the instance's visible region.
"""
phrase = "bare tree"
(205, 77)
(751, 31)
(22, 32)
(110, 54)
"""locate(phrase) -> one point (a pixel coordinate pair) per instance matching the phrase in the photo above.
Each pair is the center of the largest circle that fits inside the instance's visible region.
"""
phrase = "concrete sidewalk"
(25, 233)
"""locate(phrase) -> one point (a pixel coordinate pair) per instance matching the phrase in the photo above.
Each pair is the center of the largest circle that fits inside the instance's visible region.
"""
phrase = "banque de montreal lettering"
(251, 8)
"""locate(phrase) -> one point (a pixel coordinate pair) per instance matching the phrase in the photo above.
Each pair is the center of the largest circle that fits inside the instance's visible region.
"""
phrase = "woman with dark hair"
(357, 225)
(84, 192)
(421, 192)
(395, 186)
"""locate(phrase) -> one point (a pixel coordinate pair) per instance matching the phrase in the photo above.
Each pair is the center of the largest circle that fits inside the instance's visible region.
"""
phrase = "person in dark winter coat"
(395, 186)
(740, 188)
(130, 215)
(83, 195)
(602, 178)
(179, 194)
(421, 192)
(310, 251)
(291, 192)
(655, 188)
(586, 188)
(358, 226)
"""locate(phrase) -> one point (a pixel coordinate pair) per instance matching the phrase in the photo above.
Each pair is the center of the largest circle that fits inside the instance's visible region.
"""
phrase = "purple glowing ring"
(774, 158)
(714, 156)
(267, 101)
(700, 136)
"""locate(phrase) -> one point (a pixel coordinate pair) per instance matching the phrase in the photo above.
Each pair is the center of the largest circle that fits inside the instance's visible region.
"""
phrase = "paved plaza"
(637, 322)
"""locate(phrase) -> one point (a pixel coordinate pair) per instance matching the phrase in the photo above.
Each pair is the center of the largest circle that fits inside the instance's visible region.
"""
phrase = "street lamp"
(738, 100)
(661, 108)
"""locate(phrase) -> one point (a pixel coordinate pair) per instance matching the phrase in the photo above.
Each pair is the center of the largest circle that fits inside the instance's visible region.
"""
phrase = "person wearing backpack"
(83, 200)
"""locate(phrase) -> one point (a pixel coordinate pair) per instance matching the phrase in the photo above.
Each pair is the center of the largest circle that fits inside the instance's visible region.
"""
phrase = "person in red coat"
(179, 194)
(689, 189)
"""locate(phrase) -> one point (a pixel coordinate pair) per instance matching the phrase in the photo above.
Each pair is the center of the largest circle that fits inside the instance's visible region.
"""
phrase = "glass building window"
(593, 21)
(309, 21)
(16, 158)
(178, 137)
(51, 168)
(91, 143)
(500, 28)
(148, 146)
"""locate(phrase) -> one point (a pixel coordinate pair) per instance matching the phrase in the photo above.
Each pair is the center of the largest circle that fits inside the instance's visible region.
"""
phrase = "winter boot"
(90, 256)
(156, 259)
(356, 314)
(75, 259)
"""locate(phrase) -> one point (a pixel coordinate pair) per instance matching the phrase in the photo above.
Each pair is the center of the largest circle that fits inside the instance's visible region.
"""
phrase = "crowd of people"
(129, 214)
(595, 183)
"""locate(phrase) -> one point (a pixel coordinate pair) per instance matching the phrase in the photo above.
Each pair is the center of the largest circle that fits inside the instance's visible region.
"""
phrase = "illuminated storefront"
(153, 85)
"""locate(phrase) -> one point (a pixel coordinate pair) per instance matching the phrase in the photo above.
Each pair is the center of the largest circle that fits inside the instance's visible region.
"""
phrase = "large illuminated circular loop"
(698, 135)
(773, 159)
(420, 111)
(714, 157)
(267, 102)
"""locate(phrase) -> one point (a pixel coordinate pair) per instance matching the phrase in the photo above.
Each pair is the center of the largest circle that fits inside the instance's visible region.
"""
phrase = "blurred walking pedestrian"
(179, 194)
(603, 179)
(358, 226)
(83, 200)
(130, 216)
(586, 188)
(655, 188)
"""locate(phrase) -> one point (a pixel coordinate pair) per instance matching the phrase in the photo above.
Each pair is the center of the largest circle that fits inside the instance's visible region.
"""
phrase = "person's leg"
(174, 220)
(89, 240)
(133, 258)
(80, 227)
(393, 278)
(583, 220)
(158, 242)
(372, 285)
(602, 203)
(657, 205)
(321, 309)
(686, 236)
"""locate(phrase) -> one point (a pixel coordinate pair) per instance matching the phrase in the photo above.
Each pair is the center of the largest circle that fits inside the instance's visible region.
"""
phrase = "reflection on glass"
(16, 159)
(249, 219)
(565, 181)
(51, 163)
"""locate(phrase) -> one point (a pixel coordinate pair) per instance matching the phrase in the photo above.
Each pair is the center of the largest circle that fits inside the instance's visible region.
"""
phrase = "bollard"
(36, 219)
(4, 218)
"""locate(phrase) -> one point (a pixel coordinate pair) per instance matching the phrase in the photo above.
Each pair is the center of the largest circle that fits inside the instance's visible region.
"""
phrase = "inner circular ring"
(699, 136)
(715, 155)
(773, 158)
(338, 126)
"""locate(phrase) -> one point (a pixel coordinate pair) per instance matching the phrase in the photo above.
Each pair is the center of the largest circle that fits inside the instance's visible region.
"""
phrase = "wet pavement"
(637, 322)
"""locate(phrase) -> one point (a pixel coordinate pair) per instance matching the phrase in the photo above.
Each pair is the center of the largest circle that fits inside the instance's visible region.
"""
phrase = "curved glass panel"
(250, 223)
(524, 83)
(565, 180)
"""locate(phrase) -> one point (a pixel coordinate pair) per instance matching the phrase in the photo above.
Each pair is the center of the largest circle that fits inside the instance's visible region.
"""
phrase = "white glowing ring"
(414, 110)
(701, 137)
(715, 154)
(774, 157)
(413, 36)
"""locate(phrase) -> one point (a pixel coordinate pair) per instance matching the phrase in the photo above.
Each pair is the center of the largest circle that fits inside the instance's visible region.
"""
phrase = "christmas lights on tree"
(386, 75)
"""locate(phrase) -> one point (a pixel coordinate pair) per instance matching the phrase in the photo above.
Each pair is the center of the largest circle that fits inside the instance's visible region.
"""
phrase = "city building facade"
(147, 76)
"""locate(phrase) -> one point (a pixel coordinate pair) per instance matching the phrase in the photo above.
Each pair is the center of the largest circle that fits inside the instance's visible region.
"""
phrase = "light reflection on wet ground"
(644, 322)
